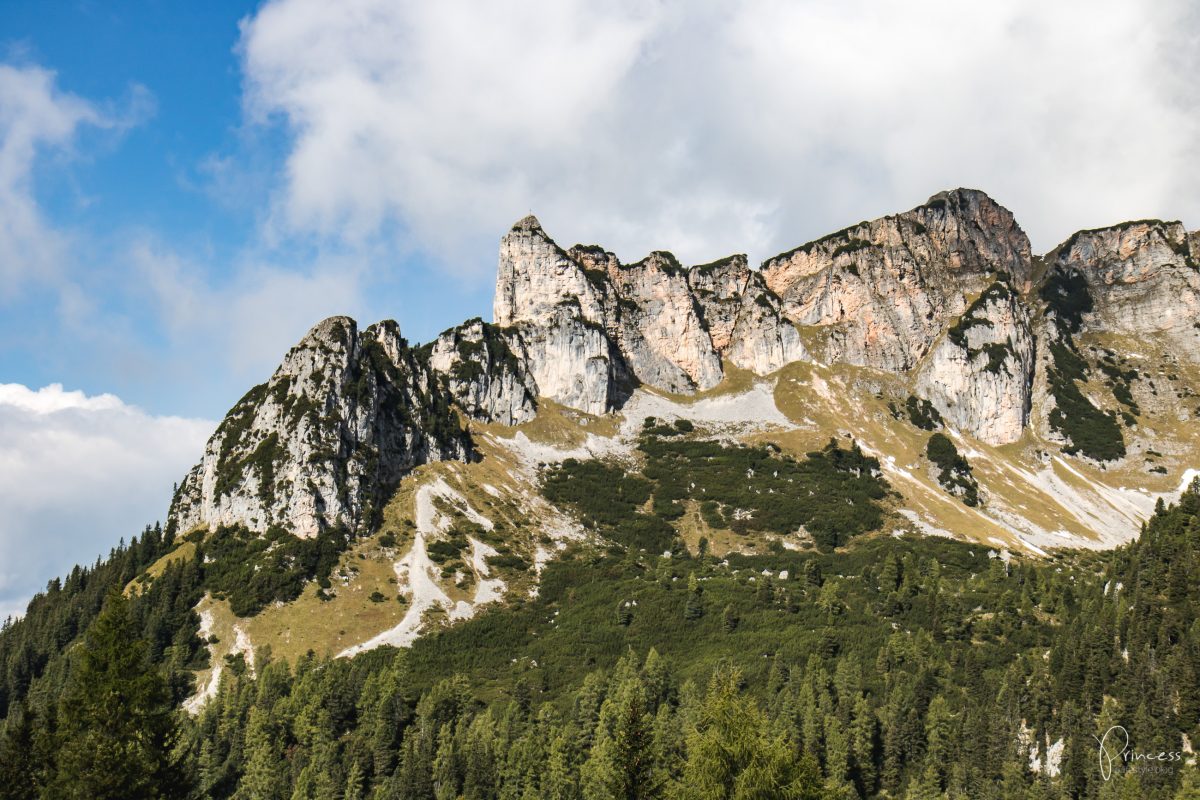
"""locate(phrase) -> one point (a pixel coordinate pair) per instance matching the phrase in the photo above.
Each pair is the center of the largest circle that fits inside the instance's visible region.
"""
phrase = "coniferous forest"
(902, 668)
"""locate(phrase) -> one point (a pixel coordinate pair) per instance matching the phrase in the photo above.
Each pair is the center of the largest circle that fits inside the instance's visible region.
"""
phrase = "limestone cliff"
(941, 297)
(554, 308)
(885, 290)
(1138, 277)
(744, 318)
(483, 374)
(659, 328)
(591, 328)
(325, 441)
(980, 376)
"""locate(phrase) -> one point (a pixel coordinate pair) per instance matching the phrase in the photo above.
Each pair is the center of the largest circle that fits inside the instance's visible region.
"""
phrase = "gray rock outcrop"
(484, 375)
(592, 328)
(942, 294)
(325, 441)
(1139, 277)
(980, 376)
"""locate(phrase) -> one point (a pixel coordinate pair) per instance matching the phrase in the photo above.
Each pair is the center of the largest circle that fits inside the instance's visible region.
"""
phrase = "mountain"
(943, 305)
(1024, 402)
(880, 450)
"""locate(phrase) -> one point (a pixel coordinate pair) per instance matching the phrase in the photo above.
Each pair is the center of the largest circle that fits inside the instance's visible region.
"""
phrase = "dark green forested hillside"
(905, 668)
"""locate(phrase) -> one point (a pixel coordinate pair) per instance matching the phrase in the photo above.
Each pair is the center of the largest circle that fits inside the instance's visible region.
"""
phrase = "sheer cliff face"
(592, 327)
(744, 318)
(882, 294)
(665, 342)
(554, 309)
(485, 376)
(980, 375)
(325, 441)
(885, 290)
(1141, 278)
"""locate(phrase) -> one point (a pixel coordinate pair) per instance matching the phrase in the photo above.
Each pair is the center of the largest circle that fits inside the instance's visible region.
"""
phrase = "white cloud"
(243, 325)
(77, 473)
(717, 127)
(34, 116)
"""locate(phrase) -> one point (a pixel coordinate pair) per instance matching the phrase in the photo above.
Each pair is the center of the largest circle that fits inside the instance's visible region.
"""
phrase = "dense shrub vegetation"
(255, 570)
(921, 413)
(1089, 430)
(1120, 378)
(609, 500)
(955, 471)
(1066, 294)
(832, 493)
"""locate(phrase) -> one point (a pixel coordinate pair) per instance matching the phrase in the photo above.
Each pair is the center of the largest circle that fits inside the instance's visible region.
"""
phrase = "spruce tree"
(18, 771)
(694, 609)
(264, 777)
(354, 783)
(117, 728)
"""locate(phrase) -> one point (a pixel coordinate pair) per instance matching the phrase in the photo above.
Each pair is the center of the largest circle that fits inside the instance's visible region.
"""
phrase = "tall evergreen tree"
(18, 767)
(264, 777)
(117, 728)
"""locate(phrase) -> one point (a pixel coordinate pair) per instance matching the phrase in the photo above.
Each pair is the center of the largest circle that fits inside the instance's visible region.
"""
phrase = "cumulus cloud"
(34, 116)
(246, 322)
(718, 127)
(77, 473)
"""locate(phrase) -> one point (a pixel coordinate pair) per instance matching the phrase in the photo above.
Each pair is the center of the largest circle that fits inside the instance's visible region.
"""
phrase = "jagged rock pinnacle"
(528, 223)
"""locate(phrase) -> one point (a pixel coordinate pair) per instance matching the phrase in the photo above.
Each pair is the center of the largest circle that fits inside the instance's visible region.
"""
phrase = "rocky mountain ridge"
(947, 297)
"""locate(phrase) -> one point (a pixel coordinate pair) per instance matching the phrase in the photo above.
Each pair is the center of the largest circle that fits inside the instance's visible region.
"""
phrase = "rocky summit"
(326, 439)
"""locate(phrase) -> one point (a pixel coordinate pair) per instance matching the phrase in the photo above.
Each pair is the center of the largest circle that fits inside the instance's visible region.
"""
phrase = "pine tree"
(837, 751)
(264, 777)
(939, 733)
(209, 767)
(655, 679)
(731, 752)
(695, 606)
(862, 745)
(18, 770)
(621, 763)
(354, 783)
(559, 781)
(117, 728)
(632, 745)
(479, 767)
(414, 775)
(729, 619)
(446, 768)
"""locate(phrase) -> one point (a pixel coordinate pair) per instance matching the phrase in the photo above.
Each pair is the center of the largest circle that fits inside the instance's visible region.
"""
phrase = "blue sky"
(167, 78)
(185, 188)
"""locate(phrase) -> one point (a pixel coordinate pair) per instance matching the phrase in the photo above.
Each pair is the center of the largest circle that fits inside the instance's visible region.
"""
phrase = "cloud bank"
(77, 473)
(711, 127)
